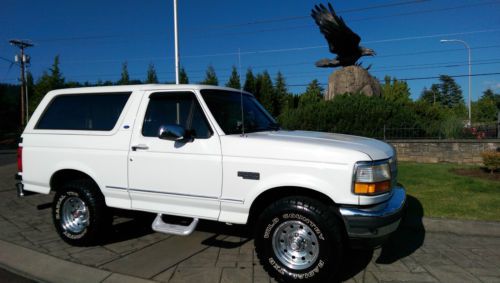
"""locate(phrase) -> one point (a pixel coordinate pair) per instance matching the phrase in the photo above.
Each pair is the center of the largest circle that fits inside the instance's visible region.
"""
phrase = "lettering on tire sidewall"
(60, 201)
(296, 275)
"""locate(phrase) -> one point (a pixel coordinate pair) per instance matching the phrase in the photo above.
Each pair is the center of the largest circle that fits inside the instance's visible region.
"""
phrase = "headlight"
(372, 178)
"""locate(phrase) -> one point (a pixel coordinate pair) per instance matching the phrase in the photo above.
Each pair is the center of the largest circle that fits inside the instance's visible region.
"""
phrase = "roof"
(144, 87)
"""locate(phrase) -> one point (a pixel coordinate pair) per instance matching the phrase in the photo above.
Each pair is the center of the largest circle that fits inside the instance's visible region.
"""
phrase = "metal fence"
(477, 131)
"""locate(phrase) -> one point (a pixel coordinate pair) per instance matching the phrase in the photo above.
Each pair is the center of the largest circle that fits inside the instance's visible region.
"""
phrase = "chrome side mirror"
(172, 132)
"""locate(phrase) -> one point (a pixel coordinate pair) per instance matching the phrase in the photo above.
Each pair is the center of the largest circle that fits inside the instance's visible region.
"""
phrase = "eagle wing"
(341, 39)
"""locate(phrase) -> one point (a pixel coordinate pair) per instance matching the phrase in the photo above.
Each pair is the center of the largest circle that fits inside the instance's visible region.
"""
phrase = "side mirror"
(172, 132)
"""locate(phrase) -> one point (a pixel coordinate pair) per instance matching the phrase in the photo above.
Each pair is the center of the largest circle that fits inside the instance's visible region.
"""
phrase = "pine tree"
(313, 94)
(234, 79)
(280, 95)
(447, 93)
(210, 77)
(265, 90)
(250, 82)
(485, 109)
(124, 79)
(183, 77)
(48, 81)
(151, 75)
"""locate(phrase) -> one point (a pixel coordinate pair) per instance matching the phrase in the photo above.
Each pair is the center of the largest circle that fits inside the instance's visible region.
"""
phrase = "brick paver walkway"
(220, 253)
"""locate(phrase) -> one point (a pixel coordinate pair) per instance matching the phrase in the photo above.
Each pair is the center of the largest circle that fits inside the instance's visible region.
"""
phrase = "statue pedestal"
(352, 79)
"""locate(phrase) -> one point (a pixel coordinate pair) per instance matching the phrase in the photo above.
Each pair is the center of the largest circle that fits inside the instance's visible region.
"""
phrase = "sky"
(94, 38)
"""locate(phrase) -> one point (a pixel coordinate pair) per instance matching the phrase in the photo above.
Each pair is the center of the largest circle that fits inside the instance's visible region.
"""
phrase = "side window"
(175, 108)
(87, 112)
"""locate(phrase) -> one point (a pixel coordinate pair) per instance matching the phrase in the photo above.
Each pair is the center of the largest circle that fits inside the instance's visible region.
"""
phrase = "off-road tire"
(98, 217)
(298, 215)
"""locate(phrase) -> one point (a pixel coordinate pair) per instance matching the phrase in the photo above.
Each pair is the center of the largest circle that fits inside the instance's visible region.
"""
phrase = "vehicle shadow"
(403, 242)
(131, 225)
(225, 236)
(409, 236)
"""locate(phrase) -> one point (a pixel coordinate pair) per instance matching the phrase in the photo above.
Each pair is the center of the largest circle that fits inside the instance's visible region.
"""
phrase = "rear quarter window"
(87, 112)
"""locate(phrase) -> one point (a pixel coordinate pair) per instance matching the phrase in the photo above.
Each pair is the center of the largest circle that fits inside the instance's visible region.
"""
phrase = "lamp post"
(470, 70)
(176, 43)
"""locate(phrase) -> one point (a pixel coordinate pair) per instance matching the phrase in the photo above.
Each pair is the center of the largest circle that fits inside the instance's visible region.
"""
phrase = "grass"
(443, 193)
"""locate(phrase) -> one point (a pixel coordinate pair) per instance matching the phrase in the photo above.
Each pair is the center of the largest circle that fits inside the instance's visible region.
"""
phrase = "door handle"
(140, 146)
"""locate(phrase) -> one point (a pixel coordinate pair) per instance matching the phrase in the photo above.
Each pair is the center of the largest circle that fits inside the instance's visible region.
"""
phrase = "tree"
(250, 82)
(125, 78)
(264, 90)
(485, 109)
(431, 96)
(280, 94)
(151, 75)
(313, 94)
(210, 77)
(48, 81)
(394, 90)
(183, 77)
(234, 79)
(447, 93)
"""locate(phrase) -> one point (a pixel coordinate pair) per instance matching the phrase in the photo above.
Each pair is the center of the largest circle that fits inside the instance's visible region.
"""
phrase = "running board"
(176, 229)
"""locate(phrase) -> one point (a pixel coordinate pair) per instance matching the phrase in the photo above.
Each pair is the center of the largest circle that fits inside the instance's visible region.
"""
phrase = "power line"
(294, 18)
(273, 20)
(203, 34)
(257, 22)
(421, 78)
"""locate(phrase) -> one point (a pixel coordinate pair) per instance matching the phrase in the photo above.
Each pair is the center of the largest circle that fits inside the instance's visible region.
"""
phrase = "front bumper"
(373, 224)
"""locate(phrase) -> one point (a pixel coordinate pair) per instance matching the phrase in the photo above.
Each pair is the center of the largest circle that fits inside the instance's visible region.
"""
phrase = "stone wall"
(434, 151)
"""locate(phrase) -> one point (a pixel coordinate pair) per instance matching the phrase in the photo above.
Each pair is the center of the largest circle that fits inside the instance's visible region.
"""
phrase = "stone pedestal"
(352, 79)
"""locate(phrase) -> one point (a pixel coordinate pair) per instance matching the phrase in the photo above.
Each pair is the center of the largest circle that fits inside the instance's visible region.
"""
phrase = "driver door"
(175, 177)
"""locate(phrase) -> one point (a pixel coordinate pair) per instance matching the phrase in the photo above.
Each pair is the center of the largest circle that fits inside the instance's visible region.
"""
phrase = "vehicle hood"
(314, 146)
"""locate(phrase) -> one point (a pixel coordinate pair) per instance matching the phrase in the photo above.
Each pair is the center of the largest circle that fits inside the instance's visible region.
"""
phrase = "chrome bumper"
(375, 221)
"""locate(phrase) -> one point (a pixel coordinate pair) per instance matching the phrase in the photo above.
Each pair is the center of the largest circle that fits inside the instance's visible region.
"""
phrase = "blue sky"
(93, 38)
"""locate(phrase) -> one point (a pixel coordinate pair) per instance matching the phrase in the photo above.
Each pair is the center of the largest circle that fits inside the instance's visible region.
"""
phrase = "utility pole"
(23, 59)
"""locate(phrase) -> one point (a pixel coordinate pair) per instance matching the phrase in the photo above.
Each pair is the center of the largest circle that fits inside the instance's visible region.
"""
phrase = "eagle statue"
(341, 39)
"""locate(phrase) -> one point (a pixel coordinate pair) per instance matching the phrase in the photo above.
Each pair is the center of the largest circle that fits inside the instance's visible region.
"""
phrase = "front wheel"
(299, 239)
(80, 214)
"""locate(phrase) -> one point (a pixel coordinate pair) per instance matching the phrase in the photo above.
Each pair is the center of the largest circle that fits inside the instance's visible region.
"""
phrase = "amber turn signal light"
(372, 188)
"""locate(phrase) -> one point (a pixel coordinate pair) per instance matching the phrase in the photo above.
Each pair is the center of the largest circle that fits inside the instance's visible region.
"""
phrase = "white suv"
(213, 153)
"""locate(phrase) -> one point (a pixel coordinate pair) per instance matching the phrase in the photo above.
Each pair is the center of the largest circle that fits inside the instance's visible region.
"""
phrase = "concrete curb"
(45, 268)
(462, 227)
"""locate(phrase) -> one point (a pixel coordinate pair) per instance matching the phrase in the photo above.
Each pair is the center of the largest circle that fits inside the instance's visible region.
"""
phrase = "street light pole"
(176, 42)
(470, 69)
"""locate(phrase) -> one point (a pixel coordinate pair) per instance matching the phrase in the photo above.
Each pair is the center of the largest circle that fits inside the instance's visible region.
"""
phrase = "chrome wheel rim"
(74, 215)
(295, 245)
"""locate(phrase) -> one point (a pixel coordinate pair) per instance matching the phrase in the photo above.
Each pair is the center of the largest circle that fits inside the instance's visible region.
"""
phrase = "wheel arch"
(269, 196)
(64, 175)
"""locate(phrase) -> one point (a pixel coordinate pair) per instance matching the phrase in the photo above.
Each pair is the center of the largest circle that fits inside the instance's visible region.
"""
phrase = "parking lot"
(423, 250)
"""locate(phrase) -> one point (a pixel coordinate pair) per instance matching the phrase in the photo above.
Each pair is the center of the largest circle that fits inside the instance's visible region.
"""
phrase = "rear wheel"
(299, 239)
(80, 214)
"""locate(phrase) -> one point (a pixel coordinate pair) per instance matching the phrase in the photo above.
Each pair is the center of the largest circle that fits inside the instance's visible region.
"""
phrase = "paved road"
(7, 157)
(220, 253)
(7, 276)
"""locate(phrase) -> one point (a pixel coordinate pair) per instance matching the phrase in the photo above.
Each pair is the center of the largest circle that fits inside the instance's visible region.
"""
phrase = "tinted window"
(90, 112)
(175, 108)
(226, 107)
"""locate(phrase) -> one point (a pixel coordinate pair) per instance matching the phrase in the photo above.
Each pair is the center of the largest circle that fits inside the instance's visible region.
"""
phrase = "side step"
(175, 228)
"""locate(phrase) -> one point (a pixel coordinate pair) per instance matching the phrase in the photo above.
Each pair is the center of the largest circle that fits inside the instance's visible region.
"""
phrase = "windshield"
(225, 106)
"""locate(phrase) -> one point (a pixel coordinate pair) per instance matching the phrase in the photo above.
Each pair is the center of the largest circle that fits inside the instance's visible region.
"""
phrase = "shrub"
(491, 160)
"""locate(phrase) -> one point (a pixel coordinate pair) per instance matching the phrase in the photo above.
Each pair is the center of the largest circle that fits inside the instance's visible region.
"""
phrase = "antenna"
(241, 96)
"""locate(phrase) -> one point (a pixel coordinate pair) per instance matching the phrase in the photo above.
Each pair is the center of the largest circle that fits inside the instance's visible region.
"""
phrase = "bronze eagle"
(341, 39)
